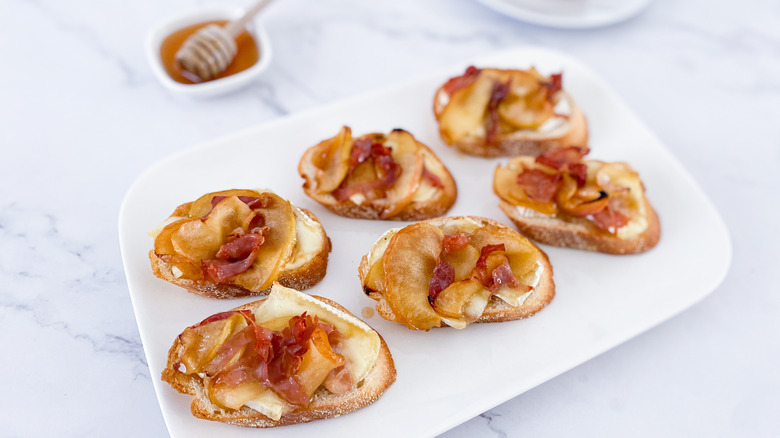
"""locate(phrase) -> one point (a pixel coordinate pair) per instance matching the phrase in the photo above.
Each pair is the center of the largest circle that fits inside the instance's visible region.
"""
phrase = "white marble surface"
(81, 116)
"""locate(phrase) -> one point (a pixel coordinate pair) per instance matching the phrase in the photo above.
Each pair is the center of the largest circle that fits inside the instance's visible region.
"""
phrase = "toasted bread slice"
(324, 404)
(579, 233)
(574, 224)
(525, 258)
(424, 189)
(302, 266)
(483, 125)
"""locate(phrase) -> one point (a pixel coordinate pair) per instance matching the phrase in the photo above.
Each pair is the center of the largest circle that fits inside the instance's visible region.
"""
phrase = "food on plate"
(490, 113)
(560, 199)
(377, 176)
(236, 243)
(290, 358)
(454, 271)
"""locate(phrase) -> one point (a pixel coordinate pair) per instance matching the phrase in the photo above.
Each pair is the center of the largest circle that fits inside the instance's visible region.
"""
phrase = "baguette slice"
(546, 223)
(579, 233)
(303, 266)
(412, 197)
(560, 130)
(324, 404)
(496, 309)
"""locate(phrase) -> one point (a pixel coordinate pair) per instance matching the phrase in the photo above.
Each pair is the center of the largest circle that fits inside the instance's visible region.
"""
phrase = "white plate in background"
(569, 14)
(445, 376)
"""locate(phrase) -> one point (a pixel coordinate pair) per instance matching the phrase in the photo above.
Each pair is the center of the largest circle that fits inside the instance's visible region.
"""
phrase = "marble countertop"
(83, 117)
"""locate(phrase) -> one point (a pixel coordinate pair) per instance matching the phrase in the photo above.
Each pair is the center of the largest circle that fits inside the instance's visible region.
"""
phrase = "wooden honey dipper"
(209, 51)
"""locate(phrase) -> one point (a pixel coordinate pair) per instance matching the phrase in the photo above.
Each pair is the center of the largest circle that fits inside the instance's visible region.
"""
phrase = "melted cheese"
(270, 405)
(309, 239)
(426, 191)
(511, 296)
(358, 198)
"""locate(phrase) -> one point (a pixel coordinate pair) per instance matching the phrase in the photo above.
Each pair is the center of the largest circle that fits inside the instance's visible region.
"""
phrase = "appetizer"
(560, 199)
(377, 176)
(454, 271)
(236, 243)
(491, 113)
(291, 358)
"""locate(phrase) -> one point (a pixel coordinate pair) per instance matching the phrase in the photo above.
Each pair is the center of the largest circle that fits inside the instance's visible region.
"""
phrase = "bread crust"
(527, 142)
(324, 404)
(436, 206)
(496, 310)
(300, 278)
(580, 233)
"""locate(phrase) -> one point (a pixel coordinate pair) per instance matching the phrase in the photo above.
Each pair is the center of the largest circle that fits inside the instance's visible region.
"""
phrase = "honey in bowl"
(247, 54)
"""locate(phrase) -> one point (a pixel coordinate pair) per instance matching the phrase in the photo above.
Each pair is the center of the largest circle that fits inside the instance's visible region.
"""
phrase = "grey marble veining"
(81, 116)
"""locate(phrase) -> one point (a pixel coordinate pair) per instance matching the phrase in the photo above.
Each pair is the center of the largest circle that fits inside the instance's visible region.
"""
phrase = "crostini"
(291, 358)
(491, 113)
(560, 199)
(236, 243)
(377, 176)
(454, 271)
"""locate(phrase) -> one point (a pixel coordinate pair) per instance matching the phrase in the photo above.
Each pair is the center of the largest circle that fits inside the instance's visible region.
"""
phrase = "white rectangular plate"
(445, 376)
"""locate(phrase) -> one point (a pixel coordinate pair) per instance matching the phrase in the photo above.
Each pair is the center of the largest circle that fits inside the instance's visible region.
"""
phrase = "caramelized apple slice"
(277, 248)
(201, 343)
(528, 111)
(465, 112)
(453, 300)
(331, 157)
(409, 261)
(202, 206)
(521, 253)
(200, 239)
(407, 154)
(375, 280)
(463, 261)
(580, 202)
(234, 397)
(619, 177)
(162, 243)
(317, 362)
(506, 187)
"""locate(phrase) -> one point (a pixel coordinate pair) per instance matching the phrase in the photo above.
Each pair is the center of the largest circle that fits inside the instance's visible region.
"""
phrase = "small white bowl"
(215, 87)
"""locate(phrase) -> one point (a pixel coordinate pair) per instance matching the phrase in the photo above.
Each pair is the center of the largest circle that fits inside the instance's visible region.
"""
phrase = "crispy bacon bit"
(389, 172)
(432, 178)
(339, 380)
(559, 157)
(458, 82)
(609, 218)
(361, 151)
(454, 243)
(480, 270)
(229, 349)
(443, 276)
(539, 186)
(233, 257)
(500, 276)
(503, 276)
(554, 85)
(500, 91)
(257, 222)
(579, 171)
(289, 346)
